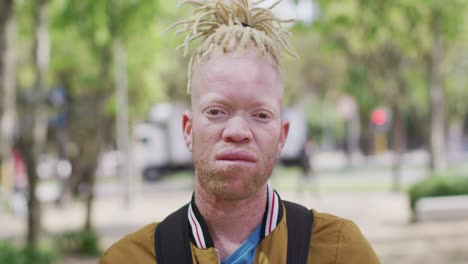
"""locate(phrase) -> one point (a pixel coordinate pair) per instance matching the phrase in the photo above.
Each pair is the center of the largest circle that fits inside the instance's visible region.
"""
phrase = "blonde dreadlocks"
(228, 25)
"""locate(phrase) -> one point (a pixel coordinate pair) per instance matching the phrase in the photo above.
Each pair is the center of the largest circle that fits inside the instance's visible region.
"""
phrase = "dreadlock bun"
(233, 25)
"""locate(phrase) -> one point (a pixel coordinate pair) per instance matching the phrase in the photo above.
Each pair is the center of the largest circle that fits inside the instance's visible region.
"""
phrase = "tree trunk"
(122, 122)
(34, 139)
(42, 62)
(90, 174)
(398, 135)
(455, 135)
(365, 135)
(7, 83)
(34, 221)
(91, 154)
(437, 136)
(98, 129)
(398, 128)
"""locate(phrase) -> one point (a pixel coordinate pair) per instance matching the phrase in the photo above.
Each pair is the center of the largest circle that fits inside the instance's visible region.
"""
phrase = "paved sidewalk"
(382, 217)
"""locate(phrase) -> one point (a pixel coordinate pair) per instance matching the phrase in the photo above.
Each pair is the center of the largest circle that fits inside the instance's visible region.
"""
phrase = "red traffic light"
(379, 117)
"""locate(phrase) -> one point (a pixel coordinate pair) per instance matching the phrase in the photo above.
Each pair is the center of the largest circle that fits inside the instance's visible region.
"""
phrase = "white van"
(295, 152)
(160, 145)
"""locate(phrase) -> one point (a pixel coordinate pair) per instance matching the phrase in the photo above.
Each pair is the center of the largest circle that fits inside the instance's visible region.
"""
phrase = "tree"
(368, 32)
(7, 82)
(32, 136)
(397, 43)
(109, 27)
(444, 24)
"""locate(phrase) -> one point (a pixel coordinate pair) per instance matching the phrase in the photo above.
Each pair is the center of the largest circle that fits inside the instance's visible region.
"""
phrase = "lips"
(236, 155)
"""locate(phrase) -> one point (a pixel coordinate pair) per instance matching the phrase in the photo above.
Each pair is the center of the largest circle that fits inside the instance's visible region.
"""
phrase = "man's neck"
(230, 222)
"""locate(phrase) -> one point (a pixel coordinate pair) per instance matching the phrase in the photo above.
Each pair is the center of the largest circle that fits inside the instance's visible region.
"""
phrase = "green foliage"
(80, 242)
(358, 86)
(323, 120)
(12, 254)
(83, 34)
(438, 185)
(356, 47)
(389, 48)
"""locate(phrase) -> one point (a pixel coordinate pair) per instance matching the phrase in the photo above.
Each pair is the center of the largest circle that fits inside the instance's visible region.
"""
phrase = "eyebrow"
(215, 98)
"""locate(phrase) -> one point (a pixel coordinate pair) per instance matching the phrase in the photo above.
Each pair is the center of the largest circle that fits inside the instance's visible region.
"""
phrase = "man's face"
(235, 129)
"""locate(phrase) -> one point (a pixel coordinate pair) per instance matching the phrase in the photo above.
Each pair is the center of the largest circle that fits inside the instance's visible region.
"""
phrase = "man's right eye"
(213, 111)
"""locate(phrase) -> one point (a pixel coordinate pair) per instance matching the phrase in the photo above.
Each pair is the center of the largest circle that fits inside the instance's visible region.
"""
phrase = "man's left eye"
(262, 116)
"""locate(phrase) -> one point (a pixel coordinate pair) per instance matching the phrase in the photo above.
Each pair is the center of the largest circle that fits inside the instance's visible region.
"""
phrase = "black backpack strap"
(299, 221)
(172, 240)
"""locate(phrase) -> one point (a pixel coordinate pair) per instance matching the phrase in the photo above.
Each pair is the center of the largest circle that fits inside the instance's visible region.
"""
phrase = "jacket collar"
(199, 231)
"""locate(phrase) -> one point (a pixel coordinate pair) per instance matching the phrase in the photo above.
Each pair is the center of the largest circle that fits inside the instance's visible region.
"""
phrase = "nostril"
(237, 138)
(236, 135)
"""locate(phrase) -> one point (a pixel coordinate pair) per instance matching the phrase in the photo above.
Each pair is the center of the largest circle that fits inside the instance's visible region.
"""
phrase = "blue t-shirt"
(246, 252)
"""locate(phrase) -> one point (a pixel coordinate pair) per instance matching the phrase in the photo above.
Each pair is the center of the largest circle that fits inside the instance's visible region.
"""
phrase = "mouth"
(236, 156)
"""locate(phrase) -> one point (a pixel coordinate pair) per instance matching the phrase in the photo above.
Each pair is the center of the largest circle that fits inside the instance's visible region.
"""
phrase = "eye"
(213, 111)
(263, 116)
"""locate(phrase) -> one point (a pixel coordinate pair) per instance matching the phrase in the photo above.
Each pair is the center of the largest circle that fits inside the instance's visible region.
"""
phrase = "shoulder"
(339, 240)
(328, 223)
(137, 247)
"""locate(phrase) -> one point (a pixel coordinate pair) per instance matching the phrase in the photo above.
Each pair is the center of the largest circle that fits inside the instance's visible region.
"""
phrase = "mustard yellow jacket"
(334, 240)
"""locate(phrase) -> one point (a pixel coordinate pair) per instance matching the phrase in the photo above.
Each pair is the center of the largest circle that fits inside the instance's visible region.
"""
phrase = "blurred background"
(91, 148)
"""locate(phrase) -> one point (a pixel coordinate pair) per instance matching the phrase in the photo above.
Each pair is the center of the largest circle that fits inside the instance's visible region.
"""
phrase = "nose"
(237, 130)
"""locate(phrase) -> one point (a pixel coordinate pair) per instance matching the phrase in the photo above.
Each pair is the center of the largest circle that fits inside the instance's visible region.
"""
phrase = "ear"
(283, 135)
(187, 128)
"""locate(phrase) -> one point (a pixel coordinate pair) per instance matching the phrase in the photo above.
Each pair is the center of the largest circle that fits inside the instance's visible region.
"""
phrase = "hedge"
(80, 242)
(13, 254)
(438, 186)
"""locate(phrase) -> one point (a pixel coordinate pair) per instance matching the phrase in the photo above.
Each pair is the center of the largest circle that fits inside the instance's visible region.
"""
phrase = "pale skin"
(236, 133)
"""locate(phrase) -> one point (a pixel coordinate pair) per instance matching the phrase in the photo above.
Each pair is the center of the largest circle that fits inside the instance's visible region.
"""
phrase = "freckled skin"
(236, 106)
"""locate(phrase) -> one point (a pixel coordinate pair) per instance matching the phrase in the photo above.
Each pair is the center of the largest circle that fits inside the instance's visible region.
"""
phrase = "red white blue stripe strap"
(201, 237)
(271, 214)
(197, 231)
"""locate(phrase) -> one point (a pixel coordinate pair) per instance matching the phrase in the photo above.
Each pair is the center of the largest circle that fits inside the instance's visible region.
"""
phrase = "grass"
(81, 242)
(13, 254)
(52, 248)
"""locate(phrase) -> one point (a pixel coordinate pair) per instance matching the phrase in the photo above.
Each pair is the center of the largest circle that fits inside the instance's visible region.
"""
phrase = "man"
(235, 132)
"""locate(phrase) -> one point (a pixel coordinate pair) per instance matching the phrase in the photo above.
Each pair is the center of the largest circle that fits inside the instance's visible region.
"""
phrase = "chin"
(239, 189)
(234, 195)
(231, 182)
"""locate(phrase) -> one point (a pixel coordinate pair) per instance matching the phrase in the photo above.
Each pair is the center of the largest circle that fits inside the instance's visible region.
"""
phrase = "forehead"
(237, 75)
